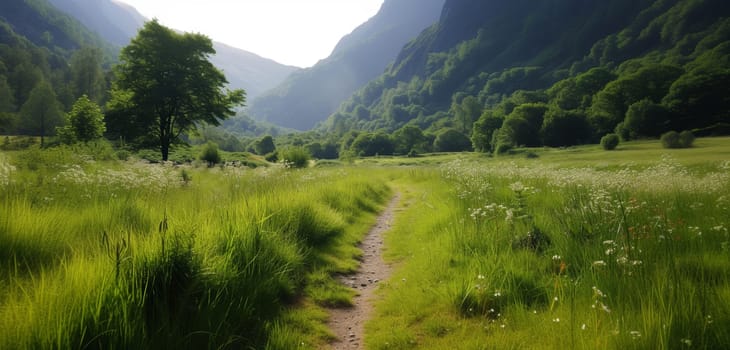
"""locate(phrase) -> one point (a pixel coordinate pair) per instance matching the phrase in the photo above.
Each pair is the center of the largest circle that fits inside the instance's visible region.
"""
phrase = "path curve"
(348, 323)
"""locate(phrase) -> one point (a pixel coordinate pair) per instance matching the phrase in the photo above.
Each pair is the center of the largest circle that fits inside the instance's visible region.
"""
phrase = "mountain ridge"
(356, 59)
(522, 66)
(118, 22)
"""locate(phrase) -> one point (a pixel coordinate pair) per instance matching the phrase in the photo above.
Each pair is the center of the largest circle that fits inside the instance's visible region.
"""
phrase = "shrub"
(686, 139)
(670, 139)
(123, 154)
(609, 142)
(450, 140)
(295, 157)
(272, 157)
(210, 154)
(503, 148)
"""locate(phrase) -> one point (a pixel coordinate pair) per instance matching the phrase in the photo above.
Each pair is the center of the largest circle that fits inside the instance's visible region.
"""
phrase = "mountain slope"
(249, 71)
(310, 95)
(572, 65)
(44, 25)
(115, 21)
(118, 22)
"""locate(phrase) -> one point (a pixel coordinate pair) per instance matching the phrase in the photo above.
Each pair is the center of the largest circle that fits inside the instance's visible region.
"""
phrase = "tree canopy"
(41, 113)
(165, 86)
(84, 123)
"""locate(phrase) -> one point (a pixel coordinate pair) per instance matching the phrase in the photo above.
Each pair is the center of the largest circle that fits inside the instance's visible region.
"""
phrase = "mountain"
(310, 95)
(554, 72)
(115, 21)
(118, 23)
(249, 71)
(44, 26)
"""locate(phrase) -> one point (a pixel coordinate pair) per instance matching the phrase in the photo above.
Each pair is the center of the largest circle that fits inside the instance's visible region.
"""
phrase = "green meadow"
(575, 248)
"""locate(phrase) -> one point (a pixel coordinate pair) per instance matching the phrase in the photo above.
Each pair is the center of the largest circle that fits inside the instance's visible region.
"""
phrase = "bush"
(450, 140)
(272, 157)
(123, 154)
(670, 139)
(210, 154)
(686, 139)
(503, 148)
(609, 142)
(295, 157)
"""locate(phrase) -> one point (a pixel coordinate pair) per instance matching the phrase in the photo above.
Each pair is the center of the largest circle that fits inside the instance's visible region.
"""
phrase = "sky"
(293, 32)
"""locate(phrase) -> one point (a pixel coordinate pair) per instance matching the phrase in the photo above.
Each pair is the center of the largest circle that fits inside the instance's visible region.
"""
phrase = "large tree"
(167, 86)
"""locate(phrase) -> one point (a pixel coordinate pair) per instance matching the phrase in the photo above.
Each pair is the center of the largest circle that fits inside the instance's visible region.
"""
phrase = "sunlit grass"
(576, 248)
(635, 255)
(131, 255)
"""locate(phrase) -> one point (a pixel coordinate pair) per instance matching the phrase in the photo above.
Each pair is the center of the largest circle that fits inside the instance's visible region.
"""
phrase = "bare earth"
(348, 323)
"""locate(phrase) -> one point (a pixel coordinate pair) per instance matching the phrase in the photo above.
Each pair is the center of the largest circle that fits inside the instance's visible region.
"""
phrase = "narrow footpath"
(348, 323)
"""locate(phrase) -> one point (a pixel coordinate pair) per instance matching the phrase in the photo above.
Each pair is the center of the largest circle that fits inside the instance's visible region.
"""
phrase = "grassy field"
(132, 255)
(565, 249)
(547, 248)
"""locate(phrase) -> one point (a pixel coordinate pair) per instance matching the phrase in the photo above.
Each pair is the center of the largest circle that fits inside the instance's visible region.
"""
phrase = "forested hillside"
(554, 73)
(47, 61)
(115, 21)
(310, 95)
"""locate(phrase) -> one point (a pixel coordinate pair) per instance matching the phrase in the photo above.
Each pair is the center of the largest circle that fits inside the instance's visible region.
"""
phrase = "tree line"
(163, 87)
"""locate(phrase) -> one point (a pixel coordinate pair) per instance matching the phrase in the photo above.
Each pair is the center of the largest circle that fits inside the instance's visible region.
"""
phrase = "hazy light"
(294, 32)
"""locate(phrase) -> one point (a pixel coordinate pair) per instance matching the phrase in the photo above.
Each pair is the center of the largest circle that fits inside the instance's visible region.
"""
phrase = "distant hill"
(44, 26)
(118, 22)
(249, 71)
(310, 95)
(37, 42)
(115, 21)
(558, 72)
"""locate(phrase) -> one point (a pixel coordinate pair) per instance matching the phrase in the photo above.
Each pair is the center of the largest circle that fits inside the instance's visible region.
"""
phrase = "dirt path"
(348, 324)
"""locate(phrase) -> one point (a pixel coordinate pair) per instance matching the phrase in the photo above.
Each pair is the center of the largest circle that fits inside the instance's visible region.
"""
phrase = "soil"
(348, 323)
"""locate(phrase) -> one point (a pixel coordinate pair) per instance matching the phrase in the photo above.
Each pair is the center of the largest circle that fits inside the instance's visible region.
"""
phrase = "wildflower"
(597, 292)
(517, 186)
(556, 320)
(481, 277)
(556, 258)
(497, 293)
(599, 263)
(605, 308)
(635, 334)
(509, 215)
(583, 327)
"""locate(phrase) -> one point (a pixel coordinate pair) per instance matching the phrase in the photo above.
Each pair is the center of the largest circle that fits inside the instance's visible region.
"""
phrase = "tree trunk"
(165, 149)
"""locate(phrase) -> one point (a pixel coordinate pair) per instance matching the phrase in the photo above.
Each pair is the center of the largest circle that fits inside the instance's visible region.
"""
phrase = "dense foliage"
(525, 73)
(42, 48)
(165, 86)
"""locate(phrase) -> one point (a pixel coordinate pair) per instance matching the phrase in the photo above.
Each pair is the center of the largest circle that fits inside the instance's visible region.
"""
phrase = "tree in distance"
(84, 123)
(165, 86)
(41, 113)
(265, 145)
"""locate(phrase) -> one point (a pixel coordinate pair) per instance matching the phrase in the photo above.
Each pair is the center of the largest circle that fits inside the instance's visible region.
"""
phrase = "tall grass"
(129, 255)
(527, 254)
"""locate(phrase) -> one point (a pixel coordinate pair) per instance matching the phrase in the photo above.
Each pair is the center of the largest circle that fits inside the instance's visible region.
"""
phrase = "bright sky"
(293, 32)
